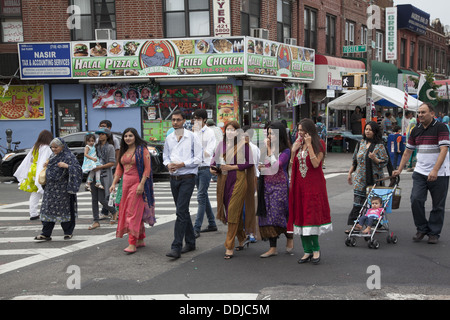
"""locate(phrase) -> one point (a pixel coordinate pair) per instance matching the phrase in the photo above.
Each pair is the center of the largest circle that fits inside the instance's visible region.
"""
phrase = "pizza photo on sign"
(12, 111)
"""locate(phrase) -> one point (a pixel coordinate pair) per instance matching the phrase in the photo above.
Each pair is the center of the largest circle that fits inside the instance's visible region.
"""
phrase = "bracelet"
(312, 158)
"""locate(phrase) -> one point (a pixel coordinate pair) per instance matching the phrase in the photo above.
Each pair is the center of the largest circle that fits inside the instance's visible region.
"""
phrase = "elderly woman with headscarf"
(63, 179)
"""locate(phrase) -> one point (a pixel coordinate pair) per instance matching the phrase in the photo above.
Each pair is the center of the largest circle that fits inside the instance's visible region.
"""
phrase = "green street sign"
(355, 49)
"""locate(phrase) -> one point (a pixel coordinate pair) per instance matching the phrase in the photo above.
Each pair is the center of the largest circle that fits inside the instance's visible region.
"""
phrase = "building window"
(97, 14)
(412, 49)
(379, 51)
(403, 53)
(421, 62)
(250, 16)
(283, 20)
(349, 38)
(310, 17)
(186, 18)
(330, 31)
(11, 21)
(364, 37)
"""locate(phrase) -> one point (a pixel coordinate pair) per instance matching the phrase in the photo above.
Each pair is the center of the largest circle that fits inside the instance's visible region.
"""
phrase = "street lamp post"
(369, 66)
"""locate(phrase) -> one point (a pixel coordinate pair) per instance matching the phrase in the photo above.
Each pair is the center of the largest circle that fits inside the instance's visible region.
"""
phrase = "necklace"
(303, 168)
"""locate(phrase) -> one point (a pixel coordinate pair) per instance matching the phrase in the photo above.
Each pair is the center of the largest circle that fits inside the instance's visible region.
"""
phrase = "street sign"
(355, 49)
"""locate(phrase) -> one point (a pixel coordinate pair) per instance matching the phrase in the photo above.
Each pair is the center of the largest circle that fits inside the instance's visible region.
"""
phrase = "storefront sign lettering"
(119, 59)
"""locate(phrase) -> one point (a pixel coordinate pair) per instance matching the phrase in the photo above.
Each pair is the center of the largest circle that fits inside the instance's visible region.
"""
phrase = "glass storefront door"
(68, 117)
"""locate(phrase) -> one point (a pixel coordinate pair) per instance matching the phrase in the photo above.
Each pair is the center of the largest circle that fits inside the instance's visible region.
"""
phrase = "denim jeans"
(438, 191)
(202, 181)
(182, 193)
(98, 195)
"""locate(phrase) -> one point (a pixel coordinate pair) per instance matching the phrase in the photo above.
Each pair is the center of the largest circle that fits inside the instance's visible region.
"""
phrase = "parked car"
(75, 142)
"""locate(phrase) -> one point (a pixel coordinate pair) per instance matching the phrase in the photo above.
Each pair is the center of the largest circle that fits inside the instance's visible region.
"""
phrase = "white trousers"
(34, 203)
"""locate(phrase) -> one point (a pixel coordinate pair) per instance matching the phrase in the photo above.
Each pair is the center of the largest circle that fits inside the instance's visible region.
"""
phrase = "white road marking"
(188, 296)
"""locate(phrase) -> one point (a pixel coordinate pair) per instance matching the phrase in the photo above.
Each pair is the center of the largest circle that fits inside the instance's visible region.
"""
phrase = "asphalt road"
(93, 264)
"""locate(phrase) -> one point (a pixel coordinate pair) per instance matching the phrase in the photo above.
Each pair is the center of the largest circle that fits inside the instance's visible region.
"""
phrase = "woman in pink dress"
(134, 167)
(309, 211)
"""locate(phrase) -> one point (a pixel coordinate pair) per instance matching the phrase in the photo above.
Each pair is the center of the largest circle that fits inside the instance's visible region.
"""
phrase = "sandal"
(42, 238)
(95, 225)
(68, 236)
(228, 256)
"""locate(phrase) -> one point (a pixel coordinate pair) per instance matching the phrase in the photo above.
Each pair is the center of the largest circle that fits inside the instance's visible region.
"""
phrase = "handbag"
(42, 178)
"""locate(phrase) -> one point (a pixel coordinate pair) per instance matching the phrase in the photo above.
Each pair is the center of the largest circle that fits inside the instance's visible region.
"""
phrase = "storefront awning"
(329, 72)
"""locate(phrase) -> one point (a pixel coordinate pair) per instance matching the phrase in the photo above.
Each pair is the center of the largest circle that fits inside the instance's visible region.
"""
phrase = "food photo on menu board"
(22, 103)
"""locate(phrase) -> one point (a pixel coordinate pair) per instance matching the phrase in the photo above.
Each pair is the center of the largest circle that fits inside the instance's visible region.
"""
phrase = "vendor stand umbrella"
(354, 98)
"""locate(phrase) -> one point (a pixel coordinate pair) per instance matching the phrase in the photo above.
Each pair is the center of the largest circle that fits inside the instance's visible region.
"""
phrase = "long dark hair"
(138, 141)
(377, 133)
(44, 138)
(309, 127)
(283, 140)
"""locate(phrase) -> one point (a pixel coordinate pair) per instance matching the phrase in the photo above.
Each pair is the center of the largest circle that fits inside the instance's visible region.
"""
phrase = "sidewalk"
(337, 162)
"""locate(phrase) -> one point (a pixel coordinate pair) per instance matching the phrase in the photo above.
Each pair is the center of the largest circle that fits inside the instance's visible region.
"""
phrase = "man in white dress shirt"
(182, 156)
(208, 140)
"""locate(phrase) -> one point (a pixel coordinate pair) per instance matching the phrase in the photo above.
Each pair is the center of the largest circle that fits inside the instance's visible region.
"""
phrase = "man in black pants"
(431, 140)
(182, 156)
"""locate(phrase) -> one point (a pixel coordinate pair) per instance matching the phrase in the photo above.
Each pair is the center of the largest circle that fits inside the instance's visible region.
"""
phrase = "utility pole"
(369, 66)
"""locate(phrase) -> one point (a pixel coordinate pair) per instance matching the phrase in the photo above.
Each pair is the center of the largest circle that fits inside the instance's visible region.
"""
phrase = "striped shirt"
(427, 142)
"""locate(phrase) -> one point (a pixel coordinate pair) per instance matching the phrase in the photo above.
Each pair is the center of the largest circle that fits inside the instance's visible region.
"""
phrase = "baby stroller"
(380, 225)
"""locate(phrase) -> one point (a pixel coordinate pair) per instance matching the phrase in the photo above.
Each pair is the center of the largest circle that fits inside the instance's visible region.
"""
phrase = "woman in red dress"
(134, 167)
(309, 211)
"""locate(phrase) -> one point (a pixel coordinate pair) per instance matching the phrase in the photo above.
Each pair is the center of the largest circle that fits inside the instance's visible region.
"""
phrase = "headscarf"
(148, 186)
(74, 172)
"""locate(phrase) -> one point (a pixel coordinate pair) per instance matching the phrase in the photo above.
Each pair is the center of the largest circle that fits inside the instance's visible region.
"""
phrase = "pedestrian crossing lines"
(17, 232)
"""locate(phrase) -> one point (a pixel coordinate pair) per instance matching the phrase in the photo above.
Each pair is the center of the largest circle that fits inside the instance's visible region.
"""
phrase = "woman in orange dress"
(134, 167)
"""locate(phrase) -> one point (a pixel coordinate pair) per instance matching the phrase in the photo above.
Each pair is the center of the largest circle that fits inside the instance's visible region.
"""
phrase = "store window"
(250, 16)
(11, 20)
(283, 20)
(97, 14)
(186, 18)
(156, 120)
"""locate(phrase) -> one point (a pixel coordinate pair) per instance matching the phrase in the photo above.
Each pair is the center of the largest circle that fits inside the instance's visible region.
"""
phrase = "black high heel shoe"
(240, 248)
(315, 260)
(304, 260)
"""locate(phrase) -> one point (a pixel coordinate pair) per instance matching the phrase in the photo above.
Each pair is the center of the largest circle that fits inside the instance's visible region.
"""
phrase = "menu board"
(186, 57)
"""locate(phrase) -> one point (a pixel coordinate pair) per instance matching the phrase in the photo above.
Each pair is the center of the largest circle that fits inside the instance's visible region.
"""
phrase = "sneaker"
(419, 236)
(433, 239)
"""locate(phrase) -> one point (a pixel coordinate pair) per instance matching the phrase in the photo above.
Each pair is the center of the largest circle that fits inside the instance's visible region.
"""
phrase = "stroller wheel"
(374, 244)
(347, 242)
(394, 239)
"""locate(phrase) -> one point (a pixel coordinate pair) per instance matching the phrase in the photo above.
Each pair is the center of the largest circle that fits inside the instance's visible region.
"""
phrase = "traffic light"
(348, 81)
(353, 80)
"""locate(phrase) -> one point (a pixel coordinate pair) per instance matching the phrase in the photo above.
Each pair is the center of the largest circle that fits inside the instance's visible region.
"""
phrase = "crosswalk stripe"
(187, 296)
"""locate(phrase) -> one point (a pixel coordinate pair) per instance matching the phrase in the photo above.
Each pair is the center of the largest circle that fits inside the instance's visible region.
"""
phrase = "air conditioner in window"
(437, 70)
(291, 41)
(260, 33)
(103, 34)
